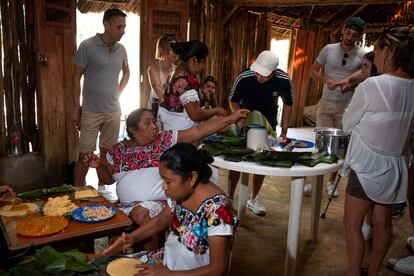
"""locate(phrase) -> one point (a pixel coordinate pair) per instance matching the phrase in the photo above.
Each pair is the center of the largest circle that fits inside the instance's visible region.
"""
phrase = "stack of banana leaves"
(38, 193)
(233, 148)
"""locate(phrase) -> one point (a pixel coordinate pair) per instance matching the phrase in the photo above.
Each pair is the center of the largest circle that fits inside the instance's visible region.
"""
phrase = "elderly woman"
(133, 163)
(162, 69)
(381, 116)
(199, 214)
(180, 107)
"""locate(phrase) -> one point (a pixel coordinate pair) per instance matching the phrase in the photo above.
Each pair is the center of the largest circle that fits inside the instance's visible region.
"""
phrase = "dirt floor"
(260, 243)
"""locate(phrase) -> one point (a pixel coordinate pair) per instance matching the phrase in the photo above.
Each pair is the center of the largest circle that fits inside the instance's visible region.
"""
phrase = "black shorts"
(354, 187)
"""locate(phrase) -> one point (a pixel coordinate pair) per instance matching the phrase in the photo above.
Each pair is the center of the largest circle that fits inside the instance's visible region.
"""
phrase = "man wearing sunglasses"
(334, 64)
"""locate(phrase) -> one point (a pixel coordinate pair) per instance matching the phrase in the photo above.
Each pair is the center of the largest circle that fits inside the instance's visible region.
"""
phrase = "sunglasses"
(344, 58)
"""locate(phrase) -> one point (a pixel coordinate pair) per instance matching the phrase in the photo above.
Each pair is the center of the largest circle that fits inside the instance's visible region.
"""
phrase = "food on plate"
(123, 267)
(41, 225)
(300, 144)
(86, 193)
(18, 210)
(97, 212)
(59, 206)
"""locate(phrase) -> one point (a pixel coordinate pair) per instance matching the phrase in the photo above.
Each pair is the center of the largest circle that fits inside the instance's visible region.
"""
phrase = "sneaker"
(329, 188)
(367, 231)
(398, 209)
(255, 206)
(410, 244)
(403, 265)
(307, 190)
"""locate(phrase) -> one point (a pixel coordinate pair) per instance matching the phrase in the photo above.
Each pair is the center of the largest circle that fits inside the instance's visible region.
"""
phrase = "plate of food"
(303, 144)
(39, 226)
(18, 210)
(94, 213)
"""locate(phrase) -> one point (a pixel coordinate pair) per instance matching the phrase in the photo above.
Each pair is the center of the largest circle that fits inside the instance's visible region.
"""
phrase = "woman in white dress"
(199, 215)
(381, 116)
(180, 107)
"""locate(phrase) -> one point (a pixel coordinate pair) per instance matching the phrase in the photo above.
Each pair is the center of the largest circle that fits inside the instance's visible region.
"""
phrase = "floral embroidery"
(178, 86)
(135, 158)
(191, 228)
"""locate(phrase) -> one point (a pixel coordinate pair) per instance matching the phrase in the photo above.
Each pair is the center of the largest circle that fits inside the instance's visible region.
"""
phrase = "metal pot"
(333, 141)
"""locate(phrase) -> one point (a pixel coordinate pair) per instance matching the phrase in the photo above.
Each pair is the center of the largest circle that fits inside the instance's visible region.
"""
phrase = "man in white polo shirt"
(99, 59)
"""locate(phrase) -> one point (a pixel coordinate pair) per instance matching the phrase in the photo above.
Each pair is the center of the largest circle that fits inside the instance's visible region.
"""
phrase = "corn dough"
(123, 267)
(20, 210)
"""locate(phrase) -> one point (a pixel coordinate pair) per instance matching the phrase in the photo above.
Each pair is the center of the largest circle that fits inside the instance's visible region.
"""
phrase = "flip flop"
(403, 265)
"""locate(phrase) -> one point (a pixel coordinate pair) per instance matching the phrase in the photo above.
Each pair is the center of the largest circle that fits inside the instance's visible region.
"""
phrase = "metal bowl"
(333, 141)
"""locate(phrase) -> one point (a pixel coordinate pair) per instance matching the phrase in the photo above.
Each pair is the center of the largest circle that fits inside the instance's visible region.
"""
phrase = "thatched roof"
(85, 6)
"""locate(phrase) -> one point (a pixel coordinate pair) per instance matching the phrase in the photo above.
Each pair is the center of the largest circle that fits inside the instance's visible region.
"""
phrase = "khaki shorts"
(330, 113)
(92, 123)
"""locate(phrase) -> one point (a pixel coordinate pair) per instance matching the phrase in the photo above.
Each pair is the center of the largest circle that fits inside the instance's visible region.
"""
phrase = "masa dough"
(86, 193)
(123, 267)
(58, 206)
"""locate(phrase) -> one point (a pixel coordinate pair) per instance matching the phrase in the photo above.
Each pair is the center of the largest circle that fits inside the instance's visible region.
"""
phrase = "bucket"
(333, 141)
(257, 138)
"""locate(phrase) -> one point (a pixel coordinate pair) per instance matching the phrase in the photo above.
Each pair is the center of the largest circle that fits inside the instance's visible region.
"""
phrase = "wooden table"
(75, 232)
(298, 174)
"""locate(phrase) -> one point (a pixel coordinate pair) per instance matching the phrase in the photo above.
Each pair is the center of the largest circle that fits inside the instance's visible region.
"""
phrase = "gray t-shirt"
(101, 77)
(331, 56)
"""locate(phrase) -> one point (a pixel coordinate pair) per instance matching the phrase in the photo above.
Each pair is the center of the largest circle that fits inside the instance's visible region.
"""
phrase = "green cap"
(356, 23)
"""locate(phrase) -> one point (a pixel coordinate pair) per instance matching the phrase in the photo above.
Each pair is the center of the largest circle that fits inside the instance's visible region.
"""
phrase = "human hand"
(221, 111)
(75, 118)
(239, 116)
(121, 243)
(6, 190)
(154, 269)
(91, 160)
(331, 84)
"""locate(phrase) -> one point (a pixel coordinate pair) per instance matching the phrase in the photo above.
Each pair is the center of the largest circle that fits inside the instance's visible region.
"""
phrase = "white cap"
(266, 63)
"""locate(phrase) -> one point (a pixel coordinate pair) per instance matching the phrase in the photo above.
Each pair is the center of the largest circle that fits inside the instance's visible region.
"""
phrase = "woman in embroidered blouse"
(133, 163)
(161, 70)
(381, 116)
(180, 107)
(199, 215)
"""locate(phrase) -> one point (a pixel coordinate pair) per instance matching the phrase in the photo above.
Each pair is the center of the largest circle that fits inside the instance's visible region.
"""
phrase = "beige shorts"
(330, 113)
(92, 123)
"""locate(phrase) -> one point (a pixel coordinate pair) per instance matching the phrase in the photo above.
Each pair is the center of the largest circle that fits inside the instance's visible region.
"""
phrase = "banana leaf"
(64, 189)
(273, 163)
(232, 158)
(256, 118)
(212, 150)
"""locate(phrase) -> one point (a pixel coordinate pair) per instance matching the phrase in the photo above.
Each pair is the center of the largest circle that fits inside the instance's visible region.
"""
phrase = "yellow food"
(18, 210)
(58, 206)
(41, 226)
(86, 193)
(123, 267)
(300, 144)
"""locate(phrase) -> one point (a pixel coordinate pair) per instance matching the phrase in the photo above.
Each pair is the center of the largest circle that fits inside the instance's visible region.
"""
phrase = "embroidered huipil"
(182, 89)
(136, 168)
(187, 245)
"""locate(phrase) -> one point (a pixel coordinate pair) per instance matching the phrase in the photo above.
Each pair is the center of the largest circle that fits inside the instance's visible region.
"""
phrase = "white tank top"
(163, 79)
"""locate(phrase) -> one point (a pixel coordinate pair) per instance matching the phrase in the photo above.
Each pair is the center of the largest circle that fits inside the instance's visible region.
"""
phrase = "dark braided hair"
(189, 49)
(184, 158)
(400, 40)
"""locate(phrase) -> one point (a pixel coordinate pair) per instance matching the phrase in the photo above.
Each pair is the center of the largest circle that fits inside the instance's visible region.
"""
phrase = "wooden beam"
(334, 14)
(230, 14)
(269, 3)
(355, 12)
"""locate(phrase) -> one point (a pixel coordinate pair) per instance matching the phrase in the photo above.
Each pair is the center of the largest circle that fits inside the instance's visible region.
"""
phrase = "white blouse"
(381, 116)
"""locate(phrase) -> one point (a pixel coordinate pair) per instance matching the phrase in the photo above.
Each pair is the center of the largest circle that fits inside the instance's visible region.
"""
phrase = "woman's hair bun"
(206, 157)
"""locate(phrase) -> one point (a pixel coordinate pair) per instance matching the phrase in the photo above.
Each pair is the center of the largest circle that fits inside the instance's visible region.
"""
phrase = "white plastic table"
(298, 174)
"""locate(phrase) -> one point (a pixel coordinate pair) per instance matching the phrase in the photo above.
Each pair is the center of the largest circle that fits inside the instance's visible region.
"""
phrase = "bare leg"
(102, 157)
(257, 184)
(233, 179)
(140, 216)
(410, 192)
(381, 219)
(81, 170)
(332, 176)
(355, 211)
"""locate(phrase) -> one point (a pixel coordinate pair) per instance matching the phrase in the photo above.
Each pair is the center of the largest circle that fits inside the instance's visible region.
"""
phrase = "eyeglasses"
(344, 58)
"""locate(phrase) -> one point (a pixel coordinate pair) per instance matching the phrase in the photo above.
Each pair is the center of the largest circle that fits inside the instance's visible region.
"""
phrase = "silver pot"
(333, 141)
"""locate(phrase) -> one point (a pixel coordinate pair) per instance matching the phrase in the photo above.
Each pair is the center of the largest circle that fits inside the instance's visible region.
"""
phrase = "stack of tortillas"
(123, 267)
(18, 210)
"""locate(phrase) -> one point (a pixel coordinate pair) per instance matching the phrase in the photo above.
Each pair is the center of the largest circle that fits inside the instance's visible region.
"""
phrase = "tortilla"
(123, 267)
(18, 210)
(41, 226)
(86, 193)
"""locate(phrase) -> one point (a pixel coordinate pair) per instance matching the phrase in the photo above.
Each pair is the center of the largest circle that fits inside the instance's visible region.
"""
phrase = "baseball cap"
(266, 63)
(356, 23)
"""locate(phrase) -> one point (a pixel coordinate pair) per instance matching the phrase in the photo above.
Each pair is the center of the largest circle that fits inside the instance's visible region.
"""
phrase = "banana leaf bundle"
(38, 193)
(256, 118)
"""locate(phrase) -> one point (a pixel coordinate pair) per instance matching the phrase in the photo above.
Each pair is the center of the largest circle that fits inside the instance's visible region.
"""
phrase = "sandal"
(403, 265)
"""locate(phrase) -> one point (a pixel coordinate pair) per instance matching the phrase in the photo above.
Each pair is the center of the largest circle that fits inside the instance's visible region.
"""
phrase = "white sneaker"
(307, 190)
(403, 265)
(367, 231)
(255, 206)
(410, 244)
(329, 188)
